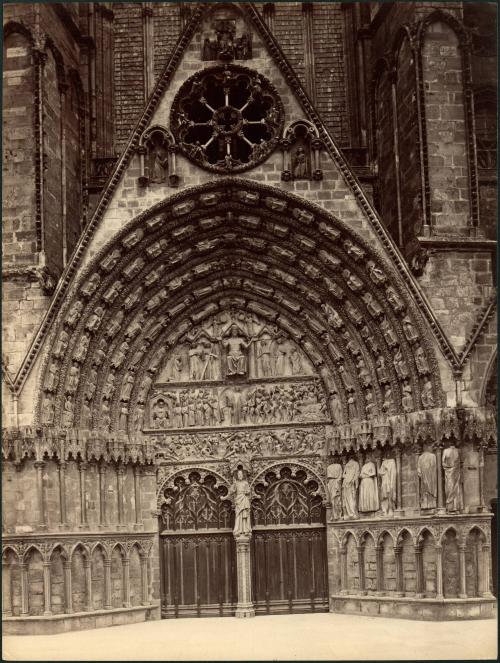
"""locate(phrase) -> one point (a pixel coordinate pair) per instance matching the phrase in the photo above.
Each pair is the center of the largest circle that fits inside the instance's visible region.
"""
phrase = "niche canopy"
(227, 119)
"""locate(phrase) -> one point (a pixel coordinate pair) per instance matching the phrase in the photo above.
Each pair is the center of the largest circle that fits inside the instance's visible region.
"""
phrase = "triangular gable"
(373, 221)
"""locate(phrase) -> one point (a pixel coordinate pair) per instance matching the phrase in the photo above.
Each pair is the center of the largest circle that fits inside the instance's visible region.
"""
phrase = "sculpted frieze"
(238, 405)
(254, 444)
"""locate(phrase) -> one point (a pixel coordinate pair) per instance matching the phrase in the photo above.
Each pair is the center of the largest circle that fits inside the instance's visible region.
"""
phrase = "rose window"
(227, 119)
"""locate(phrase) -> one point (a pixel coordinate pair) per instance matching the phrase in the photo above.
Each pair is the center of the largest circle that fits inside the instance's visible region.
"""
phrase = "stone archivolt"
(300, 270)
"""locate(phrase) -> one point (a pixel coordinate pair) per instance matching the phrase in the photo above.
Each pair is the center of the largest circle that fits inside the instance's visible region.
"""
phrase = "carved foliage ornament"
(227, 118)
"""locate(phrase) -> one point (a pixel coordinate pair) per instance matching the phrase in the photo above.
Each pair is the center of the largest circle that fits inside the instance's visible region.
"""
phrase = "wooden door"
(289, 568)
(197, 550)
(198, 574)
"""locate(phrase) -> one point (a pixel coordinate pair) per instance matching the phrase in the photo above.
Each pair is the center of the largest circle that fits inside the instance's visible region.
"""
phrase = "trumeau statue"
(239, 492)
(426, 470)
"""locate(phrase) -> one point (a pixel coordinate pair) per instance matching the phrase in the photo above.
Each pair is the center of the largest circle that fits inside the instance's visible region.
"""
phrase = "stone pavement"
(287, 637)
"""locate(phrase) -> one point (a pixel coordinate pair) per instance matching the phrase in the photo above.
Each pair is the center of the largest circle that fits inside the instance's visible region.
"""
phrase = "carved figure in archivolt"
(350, 482)
(452, 479)
(334, 485)
(239, 493)
(387, 472)
(426, 471)
(368, 489)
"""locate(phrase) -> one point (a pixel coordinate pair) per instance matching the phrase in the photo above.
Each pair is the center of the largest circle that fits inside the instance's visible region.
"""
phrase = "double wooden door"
(289, 566)
(198, 574)
(197, 550)
(289, 570)
(288, 546)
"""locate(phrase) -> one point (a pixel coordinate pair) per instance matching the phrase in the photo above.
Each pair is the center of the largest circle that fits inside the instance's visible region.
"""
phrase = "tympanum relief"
(246, 379)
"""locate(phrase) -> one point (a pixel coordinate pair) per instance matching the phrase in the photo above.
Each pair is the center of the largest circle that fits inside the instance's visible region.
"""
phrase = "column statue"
(334, 479)
(426, 471)
(452, 487)
(368, 490)
(350, 483)
(388, 486)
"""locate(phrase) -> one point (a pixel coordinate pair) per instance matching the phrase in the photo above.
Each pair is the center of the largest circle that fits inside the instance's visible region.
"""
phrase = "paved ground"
(291, 637)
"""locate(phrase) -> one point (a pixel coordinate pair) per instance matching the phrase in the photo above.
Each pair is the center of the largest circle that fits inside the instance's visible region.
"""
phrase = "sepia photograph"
(249, 341)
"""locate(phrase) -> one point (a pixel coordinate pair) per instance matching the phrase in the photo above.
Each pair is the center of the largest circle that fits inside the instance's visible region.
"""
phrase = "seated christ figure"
(236, 346)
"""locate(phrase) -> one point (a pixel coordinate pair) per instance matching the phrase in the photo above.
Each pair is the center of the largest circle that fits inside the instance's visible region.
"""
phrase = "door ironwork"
(197, 550)
(288, 545)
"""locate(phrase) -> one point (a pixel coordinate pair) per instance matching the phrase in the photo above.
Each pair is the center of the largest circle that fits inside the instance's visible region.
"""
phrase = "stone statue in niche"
(381, 369)
(73, 377)
(61, 345)
(400, 365)
(452, 479)
(352, 408)
(421, 361)
(157, 147)
(334, 481)
(427, 395)
(239, 493)
(426, 471)
(86, 416)
(376, 274)
(350, 481)
(48, 410)
(281, 356)
(409, 329)
(74, 313)
(295, 361)
(91, 384)
(236, 346)
(368, 488)
(264, 355)
(138, 418)
(82, 349)
(407, 398)
(68, 412)
(387, 472)
(388, 404)
(370, 406)
(300, 164)
(226, 45)
(123, 419)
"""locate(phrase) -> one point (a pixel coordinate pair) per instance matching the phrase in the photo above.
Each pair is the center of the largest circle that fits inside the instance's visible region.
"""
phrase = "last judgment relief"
(236, 371)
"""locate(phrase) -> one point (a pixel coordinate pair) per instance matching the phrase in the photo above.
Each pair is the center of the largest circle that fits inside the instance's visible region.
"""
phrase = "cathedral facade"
(249, 317)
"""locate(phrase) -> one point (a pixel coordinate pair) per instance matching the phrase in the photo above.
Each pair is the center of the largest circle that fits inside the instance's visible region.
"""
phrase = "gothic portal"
(246, 371)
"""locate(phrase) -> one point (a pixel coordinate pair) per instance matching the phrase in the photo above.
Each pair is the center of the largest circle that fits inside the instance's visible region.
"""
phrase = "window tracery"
(227, 119)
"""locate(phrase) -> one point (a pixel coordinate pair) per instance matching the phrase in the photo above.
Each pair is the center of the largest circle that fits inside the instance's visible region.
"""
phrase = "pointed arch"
(332, 318)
